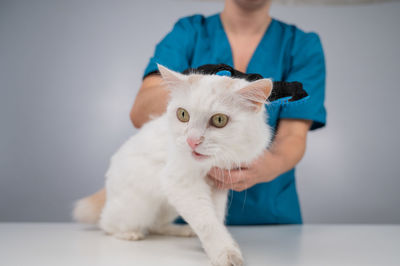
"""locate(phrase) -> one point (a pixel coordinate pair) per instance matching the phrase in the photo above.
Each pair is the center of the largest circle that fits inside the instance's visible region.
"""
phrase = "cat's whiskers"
(236, 165)
(245, 191)
(223, 157)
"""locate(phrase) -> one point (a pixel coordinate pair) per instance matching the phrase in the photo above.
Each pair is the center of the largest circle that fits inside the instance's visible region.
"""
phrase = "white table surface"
(58, 244)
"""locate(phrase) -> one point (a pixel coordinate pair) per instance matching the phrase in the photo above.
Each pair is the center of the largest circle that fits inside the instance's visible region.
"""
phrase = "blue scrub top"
(285, 53)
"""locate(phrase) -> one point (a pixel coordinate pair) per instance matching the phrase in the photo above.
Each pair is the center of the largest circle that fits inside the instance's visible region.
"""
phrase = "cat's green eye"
(182, 115)
(219, 120)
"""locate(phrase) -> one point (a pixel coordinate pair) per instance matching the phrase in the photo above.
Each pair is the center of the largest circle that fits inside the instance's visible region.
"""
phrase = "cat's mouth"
(199, 156)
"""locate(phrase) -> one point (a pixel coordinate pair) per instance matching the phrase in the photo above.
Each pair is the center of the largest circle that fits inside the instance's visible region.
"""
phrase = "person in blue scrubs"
(246, 37)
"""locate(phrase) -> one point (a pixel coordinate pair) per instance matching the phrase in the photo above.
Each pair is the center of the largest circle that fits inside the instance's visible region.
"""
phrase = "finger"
(221, 185)
(217, 173)
(236, 187)
(228, 185)
(235, 176)
(232, 174)
(229, 177)
(239, 187)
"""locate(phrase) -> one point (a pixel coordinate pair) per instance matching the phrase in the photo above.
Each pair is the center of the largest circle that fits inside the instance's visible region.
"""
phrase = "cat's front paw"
(229, 257)
(131, 236)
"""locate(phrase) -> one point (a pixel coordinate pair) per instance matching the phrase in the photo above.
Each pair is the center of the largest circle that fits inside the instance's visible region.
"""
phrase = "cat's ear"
(257, 92)
(171, 78)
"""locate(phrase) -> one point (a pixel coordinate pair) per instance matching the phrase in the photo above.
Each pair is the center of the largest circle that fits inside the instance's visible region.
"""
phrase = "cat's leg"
(194, 203)
(164, 223)
(128, 217)
(220, 198)
(130, 235)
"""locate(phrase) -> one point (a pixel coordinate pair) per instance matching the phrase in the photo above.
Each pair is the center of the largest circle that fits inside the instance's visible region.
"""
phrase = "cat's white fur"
(154, 176)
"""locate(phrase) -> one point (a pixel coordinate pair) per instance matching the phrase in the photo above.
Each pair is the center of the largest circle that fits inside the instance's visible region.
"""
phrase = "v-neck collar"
(225, 44)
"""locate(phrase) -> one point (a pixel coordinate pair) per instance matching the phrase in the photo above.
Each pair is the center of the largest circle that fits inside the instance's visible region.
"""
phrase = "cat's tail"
(88, 210)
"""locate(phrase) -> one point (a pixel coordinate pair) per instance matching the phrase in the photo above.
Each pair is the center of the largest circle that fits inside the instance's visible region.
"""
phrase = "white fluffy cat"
(160, 172)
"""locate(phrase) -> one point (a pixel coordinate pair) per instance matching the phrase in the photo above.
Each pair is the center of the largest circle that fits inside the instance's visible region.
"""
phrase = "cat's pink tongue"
(199, 156)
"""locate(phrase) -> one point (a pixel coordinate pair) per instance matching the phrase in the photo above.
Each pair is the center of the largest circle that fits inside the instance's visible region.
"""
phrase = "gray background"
(69, 72)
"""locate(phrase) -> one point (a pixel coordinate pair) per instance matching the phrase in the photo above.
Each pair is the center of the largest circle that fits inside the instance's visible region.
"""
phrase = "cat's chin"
(199, 157)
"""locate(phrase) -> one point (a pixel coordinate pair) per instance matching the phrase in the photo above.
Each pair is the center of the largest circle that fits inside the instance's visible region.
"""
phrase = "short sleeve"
(308, 67)
(176, 49)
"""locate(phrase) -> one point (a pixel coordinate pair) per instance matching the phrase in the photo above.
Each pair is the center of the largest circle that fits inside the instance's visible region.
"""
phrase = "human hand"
(244, 177)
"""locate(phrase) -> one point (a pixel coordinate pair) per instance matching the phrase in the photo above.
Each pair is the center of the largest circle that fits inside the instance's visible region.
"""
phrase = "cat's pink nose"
(194, 142)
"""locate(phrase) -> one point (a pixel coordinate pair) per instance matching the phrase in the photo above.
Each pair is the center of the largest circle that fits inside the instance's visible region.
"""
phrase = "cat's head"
(217, 120)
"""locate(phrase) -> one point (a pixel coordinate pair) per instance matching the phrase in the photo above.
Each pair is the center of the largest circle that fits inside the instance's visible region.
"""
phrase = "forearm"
(287, 149)
(283, 155)
(151, 100)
